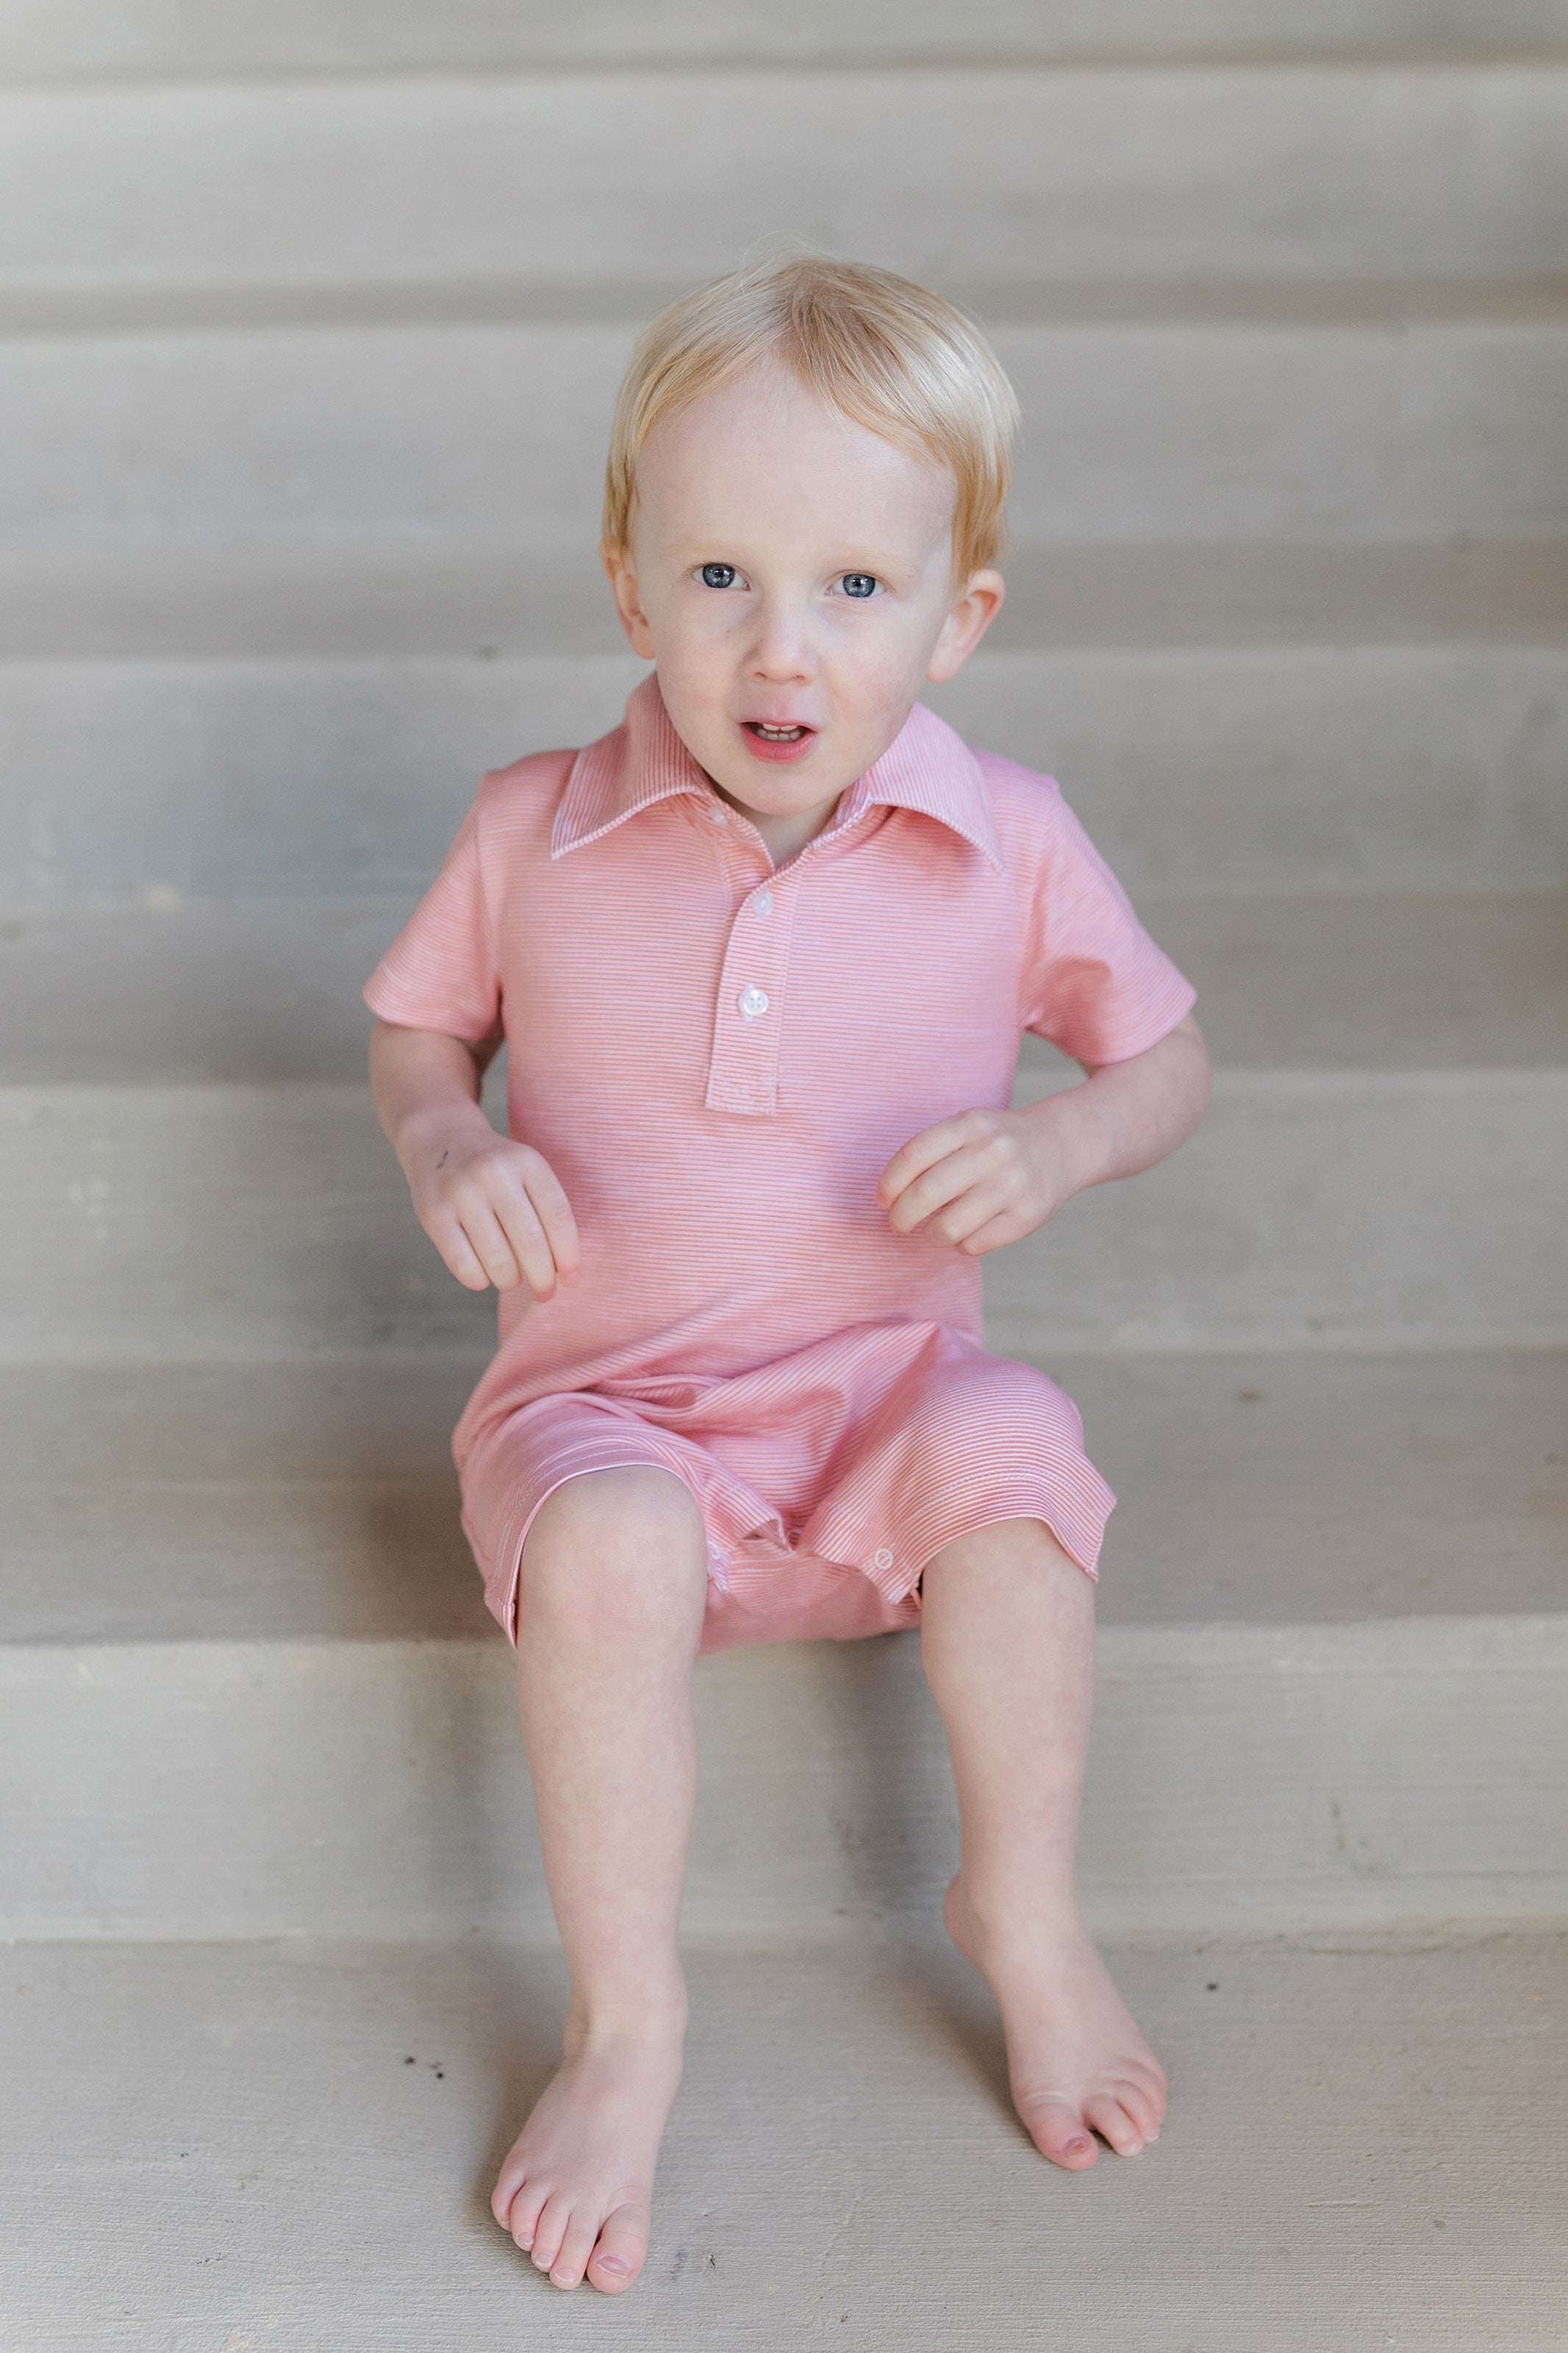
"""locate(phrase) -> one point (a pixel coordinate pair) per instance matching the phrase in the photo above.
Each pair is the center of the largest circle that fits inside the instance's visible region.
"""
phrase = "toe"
(1058, 2131)
(1150, 2078)
(526, 2208)
(575, 2249)
(622, 2250)
(1111, 2121)
(509, 2181)
(549, 2233)
(1140, 2105)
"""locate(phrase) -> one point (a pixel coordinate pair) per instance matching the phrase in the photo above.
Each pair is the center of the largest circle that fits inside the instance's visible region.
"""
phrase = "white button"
(721, 814)
(883, 1558)
(752, 1002)
(763, 905)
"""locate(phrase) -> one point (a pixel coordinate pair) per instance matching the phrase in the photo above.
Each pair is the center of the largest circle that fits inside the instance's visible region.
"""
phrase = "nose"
(781, 651)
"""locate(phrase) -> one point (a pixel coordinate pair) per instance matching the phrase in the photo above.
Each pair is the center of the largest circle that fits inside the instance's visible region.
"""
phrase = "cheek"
(696, 669)
(873, 675)
(691, 648)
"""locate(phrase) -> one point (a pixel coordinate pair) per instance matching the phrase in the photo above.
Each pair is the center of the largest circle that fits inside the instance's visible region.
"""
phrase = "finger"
(519, 1223)
(490, 1245)
(954, 1224)
(994, 1235)
(458, 1254)
(920, 1153)
(553, 1210)
(960, 1172)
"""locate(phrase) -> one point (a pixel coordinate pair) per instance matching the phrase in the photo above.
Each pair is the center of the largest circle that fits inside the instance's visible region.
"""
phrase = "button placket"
(743, 1074)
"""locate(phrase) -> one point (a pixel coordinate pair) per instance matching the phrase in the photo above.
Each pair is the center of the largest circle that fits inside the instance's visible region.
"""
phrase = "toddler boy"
(761, 959)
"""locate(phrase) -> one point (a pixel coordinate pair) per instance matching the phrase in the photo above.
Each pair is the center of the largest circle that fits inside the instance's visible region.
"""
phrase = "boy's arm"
(495, 1209)
(986, 1178)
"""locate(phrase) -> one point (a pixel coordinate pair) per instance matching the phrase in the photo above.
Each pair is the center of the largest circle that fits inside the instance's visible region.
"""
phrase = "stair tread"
(294, 2141)
(1389, 766)
(112, 38)
(316, 1501)
(268, 990)
(1449, 168)
(309, 440)
(1314, 1209)
(459, 594)
(179, 306)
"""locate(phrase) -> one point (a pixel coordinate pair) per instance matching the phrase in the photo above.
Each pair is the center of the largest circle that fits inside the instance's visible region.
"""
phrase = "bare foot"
(1076, 2063)
(576, 2188)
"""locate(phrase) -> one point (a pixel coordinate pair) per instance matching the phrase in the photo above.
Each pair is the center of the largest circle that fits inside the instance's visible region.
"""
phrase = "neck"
(784, 834)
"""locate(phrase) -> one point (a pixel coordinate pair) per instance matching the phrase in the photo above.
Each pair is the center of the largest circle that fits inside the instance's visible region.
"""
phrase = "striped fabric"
(718, 1059)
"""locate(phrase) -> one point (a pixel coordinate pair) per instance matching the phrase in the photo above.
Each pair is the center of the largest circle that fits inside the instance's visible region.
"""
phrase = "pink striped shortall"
(718, 1059)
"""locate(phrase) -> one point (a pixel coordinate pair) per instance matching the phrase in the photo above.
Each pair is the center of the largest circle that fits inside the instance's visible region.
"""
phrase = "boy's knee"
(1027, 1547)
(614, 1546)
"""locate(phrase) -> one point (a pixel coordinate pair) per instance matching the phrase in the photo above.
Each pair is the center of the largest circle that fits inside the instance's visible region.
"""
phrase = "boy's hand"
(979, 1180)
(495, 1209)
(985, 1177)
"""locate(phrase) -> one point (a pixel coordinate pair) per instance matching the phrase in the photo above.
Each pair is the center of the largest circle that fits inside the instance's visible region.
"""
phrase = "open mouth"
(779, 743)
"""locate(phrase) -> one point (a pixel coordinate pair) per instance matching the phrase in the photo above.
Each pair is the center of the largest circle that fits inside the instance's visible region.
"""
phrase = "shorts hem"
(915, 1487)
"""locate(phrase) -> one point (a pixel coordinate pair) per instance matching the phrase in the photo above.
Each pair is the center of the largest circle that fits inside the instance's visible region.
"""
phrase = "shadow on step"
(825, 1779)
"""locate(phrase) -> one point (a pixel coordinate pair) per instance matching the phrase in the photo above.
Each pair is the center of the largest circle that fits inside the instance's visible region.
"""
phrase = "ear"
(972, 613)
(623, 582)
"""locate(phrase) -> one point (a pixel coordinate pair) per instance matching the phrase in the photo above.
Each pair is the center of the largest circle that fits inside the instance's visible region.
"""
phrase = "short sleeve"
(1095, 984)
(441, 971)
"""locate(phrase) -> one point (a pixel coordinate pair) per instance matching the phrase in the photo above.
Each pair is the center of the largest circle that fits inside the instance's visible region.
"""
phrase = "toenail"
(611, 2264)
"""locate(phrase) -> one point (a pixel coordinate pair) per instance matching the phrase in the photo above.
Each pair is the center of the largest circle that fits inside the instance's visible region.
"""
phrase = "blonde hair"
(881, 349)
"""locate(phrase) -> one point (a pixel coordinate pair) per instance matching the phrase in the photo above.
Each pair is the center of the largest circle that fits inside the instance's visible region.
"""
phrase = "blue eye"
(857, 584)
(718, 575)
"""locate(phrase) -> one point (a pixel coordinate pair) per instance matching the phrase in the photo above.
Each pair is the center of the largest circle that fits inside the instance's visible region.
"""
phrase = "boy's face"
(790, 572)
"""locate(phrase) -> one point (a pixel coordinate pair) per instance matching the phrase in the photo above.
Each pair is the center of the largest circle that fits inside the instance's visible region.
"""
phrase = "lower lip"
(770, 747)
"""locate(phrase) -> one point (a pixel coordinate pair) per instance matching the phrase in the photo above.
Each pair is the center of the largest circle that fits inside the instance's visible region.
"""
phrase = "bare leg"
(614, 1584)
(1007, 1630)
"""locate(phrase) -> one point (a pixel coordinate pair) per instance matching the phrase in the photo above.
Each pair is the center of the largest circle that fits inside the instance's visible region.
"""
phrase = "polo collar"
(641, 761)
(927, 767)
